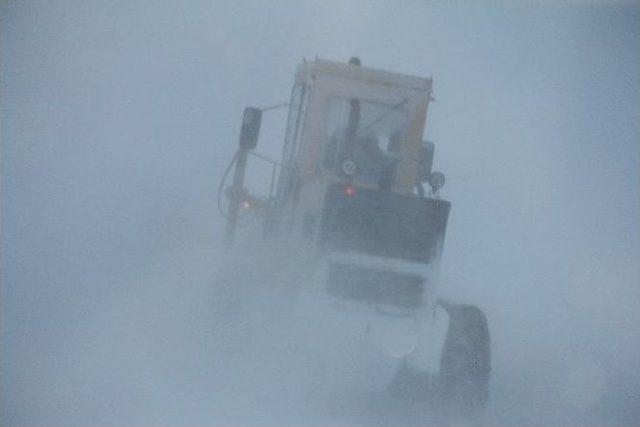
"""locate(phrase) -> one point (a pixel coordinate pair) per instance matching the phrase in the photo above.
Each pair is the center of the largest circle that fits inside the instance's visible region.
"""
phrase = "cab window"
(364, 138)
(293, 136)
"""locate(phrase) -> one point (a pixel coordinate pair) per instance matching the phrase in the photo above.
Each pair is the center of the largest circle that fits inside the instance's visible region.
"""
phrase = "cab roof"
(309, 68)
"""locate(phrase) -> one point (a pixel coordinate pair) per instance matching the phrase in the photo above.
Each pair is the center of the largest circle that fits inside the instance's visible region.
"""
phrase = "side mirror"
(426, 160)
(250, 128)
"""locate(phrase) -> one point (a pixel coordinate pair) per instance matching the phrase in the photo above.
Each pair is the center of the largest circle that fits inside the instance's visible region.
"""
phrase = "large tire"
(459, 394)
(466, 364)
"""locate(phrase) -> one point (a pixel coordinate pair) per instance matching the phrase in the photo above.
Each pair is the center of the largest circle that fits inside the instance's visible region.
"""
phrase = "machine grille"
(375, 286)
(383, 223)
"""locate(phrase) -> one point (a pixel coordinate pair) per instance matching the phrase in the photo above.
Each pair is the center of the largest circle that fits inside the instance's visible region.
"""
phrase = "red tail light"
(350, 190)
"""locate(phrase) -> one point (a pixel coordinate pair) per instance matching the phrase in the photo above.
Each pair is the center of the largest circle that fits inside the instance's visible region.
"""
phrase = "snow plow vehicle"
(355, 209)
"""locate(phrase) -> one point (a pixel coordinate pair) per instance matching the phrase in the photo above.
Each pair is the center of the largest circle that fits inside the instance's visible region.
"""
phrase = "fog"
(118, 119)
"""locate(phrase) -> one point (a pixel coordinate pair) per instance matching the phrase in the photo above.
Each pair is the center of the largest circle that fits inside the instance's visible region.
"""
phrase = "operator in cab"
(364, 153)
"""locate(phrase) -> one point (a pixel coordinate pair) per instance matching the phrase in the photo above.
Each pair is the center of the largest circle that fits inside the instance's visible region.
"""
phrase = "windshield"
(364, 139)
